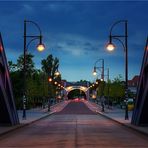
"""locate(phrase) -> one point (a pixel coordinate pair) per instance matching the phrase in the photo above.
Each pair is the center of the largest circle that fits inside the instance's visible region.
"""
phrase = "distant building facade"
(133, 84)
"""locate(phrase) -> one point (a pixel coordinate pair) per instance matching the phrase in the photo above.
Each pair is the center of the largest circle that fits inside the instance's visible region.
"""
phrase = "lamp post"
(40, 47)
(102, 79)
(108, 86)
(51, 81)
(102, 68)
(123, 40)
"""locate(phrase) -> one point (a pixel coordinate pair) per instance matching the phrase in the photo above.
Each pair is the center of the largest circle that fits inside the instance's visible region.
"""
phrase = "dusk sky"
(77, 32)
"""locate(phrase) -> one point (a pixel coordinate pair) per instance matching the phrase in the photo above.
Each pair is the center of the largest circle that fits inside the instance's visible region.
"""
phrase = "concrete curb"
(21, 125)
(132, 127)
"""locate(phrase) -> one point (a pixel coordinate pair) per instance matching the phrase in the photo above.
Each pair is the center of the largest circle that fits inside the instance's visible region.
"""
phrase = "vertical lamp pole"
(108, 86)
(123, 40)
(49, 84)
(40, 47)
(102, 79)
(102, 69)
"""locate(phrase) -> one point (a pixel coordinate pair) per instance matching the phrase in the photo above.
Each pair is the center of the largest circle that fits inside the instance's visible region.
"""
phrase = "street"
(74, 127)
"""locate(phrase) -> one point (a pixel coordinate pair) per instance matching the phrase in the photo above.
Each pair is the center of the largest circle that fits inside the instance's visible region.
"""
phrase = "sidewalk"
(117, 115)
(33, 115)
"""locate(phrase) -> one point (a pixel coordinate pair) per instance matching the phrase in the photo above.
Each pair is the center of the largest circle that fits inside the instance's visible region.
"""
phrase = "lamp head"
(101, 79)
(40, 46)
(94, 71)
(50, 79)
(110, 46)
(57, 73)
(55, 83)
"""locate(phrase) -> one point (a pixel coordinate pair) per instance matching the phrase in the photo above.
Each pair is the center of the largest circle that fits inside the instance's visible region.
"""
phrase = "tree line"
(113, 90)
(37, 85)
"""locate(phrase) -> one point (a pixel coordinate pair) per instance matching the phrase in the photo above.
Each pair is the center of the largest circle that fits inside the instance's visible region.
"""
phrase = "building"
(133, 84)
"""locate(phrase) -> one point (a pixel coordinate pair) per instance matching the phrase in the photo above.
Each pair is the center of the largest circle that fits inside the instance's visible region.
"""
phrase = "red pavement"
(76, 108)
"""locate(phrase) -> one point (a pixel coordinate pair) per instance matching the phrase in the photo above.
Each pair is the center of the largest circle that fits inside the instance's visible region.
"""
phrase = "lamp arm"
(31, 41)
(35, 25)
(120, 21)
(98, 61)
(120, 42)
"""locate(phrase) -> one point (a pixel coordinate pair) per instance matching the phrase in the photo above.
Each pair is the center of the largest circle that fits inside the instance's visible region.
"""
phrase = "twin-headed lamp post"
(40, 47)
(123, 40)
(102, 74)
(102, 69)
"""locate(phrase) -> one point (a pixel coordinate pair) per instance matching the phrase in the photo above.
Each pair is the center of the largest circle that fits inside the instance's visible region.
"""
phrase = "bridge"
(8, 110)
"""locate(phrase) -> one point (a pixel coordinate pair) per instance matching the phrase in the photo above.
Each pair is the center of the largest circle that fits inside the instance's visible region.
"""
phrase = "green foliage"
(49, 67)
(100, 89)
(114, 89)
(36, 80)
(30, 68)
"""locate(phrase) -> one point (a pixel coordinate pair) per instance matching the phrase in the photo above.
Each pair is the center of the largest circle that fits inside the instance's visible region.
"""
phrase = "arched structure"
(82, 88)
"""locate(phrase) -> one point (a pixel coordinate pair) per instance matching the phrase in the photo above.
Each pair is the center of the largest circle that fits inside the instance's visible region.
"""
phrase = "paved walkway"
(33, 115)
(117, 115)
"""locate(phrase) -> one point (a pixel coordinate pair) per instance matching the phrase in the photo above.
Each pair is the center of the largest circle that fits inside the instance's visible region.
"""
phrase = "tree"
(100, 88)
(33, 80)
(49, 67)
(12, 66)
(17, 83)
(36, 80)
(30, 68)
(117, 90)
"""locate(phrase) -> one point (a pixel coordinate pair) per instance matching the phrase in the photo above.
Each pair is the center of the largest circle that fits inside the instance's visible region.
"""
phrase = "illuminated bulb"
(40, 47)
(110, 47)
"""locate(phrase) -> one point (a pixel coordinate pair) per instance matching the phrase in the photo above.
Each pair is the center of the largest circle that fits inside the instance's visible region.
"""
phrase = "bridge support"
(140, 113)
(8, 112)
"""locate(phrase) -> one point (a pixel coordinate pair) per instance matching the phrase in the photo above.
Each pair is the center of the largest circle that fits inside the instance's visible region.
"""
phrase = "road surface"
(74, 127)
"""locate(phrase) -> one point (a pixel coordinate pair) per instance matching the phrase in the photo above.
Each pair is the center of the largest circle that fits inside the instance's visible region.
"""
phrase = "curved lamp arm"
(26, 21)
(120, 21)
(120, 42)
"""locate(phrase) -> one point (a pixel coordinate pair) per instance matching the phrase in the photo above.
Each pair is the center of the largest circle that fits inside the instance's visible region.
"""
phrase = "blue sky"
(76, 32)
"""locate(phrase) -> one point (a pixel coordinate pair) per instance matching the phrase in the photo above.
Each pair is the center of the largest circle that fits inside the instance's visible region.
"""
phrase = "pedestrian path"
(33, 115)
(117, 115)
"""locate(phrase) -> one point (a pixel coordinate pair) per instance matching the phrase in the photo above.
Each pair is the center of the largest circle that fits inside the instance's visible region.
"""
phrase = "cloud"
(27, 8)
(58, 7)
(74, 45)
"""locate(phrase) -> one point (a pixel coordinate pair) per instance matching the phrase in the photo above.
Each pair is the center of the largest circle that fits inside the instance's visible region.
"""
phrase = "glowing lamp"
(110, 47)
(40, 47)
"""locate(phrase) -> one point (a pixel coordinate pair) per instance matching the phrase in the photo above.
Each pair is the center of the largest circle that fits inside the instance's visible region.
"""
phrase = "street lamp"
(108, 86)
(102, 67)
(123, 40)
(102, 78)
(57, 73)
(40, 47)
(50, 82)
